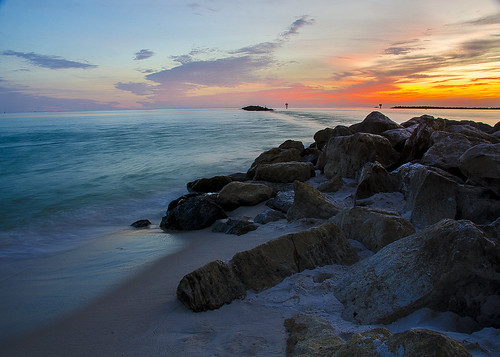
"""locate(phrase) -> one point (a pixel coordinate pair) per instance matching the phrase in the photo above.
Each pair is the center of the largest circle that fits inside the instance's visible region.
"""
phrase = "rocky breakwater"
(423, 196)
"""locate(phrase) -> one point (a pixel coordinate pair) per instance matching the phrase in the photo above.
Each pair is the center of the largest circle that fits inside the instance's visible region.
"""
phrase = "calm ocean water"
(67, 178)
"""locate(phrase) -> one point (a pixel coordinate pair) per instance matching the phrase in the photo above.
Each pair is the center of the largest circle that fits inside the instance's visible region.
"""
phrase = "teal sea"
(68, 179)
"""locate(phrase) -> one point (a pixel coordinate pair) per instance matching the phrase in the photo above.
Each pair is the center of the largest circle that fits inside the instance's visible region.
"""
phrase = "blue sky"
(93, 55)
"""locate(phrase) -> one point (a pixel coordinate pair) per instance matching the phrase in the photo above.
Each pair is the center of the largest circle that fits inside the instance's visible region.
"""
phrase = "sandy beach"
(143, 317)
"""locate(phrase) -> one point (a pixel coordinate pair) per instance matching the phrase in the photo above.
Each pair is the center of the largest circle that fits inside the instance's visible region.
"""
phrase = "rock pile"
(440, 250)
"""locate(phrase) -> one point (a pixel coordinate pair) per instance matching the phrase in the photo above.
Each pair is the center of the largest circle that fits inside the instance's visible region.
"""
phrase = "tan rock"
(236, 194)
(285, 172)
(273, 156)
(310, 203)
(346, 155)
(374, 227)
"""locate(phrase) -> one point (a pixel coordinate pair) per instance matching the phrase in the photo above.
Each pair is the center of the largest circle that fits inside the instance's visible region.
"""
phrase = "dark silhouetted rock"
(191, 212)
(346, 155)
(322, 137)
(451, 266)
(285, 172)
(477, 204)
(311, 203)
(311, 155)
(142, 223)
(292, 144)
(257, 108)
(374, 227)
(232, 225)
(375, 123)
(212, 184)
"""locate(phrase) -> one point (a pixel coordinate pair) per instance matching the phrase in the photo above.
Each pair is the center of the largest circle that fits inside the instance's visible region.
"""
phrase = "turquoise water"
(69, 177)
(72, 183)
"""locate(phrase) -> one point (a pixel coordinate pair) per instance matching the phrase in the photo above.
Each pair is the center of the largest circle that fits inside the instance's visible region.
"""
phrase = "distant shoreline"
(434, 107)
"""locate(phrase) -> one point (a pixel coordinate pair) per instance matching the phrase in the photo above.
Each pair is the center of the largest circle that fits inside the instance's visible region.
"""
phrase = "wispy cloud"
(138, 88)
(298, 24)
(487, 20)
(52, 62)
(143, 54)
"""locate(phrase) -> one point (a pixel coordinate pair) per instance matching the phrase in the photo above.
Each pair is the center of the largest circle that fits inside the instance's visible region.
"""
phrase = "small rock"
(231, 225)
(142, 223)
(269, 215)
(205, 185)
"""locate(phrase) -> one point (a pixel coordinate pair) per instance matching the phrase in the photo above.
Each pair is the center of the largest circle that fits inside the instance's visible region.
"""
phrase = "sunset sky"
(117, 54)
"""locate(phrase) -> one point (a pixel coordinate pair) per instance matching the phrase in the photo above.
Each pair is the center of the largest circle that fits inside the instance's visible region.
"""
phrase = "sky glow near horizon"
(117, 54)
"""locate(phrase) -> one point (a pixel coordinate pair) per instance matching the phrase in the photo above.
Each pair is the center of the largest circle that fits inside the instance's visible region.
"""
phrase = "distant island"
(436, 107)
(257, 108)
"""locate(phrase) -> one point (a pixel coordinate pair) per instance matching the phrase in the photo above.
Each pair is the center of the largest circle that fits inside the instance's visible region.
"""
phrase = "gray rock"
(374, 227)
(236, 194)
(346, 155)
(451, 266)
(311, 203)
(481, 165)
(322, 137)
(472, 133)
(273, 156)
(375, 123)
(212, 184)
(269, 215)
(430, 194)
(191, 212)
(477, 204)
(397, 137)
(420, 140)
(374, 178)
(232, 225)
(447, 148)
(285, 172)
(282, 201)
(210, 287)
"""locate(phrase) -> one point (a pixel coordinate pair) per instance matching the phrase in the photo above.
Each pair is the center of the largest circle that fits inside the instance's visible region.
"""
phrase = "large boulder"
(375, 123)
(420, 140)
(234, 225)
(313, 336)
(236, 194)
(374, 227)
(473, 133)
(191, 212)
(219, 283)
(374, 178)
(397, 137)
(322, 137)
(446, 149)
(310, 203)
(273, 156)
(430, 194)
(477, 204)
(451, 266)
(346, 155)
(269, 263)
(210, 287)
(481, 165)
(285, 172)
(212, 184)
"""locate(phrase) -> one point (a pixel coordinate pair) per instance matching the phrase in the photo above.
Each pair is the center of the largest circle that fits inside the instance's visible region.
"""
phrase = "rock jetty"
(423, 196)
